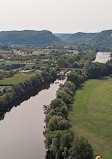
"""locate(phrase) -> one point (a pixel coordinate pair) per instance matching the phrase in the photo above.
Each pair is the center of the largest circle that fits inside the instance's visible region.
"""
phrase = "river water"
(102, 57)
(21, 131)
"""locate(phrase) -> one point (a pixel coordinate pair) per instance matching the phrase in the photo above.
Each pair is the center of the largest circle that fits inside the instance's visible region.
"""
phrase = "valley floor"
(91, 114)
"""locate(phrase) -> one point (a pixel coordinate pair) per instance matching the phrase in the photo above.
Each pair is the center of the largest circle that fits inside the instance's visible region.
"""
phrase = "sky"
(58, 16)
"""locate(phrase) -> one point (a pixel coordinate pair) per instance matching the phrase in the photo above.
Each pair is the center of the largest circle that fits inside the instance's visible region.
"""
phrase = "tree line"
(17, 91)
(96, 70)
(60, 140)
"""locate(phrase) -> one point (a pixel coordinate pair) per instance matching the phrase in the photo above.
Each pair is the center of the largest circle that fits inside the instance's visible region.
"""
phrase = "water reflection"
(25, 97)
(21, 131)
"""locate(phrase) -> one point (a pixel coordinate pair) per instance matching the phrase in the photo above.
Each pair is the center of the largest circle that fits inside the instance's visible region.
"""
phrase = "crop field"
(91, 114)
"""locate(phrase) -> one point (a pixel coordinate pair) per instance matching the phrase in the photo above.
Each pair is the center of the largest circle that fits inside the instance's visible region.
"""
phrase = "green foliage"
(65, 97)
(58, 133)
(59, 143)
(77, 62)
(75, 78)
(28, 37)
(67, 87)
(2, 102)
(62, 63)
(67, 61)
(97, 70)
(59, 111)
(81, 149)
(57, 107)
(25, 86)
(57, 123)
(101, 41)
(57, 103)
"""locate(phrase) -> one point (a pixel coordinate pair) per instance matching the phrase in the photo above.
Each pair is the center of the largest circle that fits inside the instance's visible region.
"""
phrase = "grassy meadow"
(20, 77)
(91, 114)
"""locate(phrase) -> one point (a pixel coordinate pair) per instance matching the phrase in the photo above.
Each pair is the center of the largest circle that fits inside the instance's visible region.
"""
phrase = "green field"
(20, 77)
(91, 114)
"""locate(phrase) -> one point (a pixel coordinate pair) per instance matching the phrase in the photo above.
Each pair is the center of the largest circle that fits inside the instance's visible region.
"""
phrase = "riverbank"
(21, 131)
(24, 89)
(60, 140)
(90, 114)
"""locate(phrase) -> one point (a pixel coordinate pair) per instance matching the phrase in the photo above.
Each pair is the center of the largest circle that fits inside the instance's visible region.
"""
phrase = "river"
(21, 131)
(102, 57)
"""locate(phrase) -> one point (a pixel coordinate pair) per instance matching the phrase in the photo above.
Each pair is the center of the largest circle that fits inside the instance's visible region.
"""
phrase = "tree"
(57, 123)
(75, 77)
(96, 70)
(60, 142)
(2, 102)
(65, 97)
(57, 103)
(62, 62)
(81, 149)
(68, 87)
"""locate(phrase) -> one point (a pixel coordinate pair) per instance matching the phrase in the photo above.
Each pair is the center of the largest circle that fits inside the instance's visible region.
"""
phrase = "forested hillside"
(101, 41)
(63, 36)
(28, 37)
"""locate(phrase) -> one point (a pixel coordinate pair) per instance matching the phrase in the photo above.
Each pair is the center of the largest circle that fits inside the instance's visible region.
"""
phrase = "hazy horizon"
(54, 32)
(57, 16)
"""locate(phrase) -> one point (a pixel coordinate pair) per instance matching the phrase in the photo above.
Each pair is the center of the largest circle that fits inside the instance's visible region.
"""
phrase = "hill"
(102, 40)
(28, 37)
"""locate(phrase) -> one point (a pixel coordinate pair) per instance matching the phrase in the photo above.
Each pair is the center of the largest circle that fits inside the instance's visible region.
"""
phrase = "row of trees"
(17, 91)
(91, 71)
(94, 70)
(60, 140)
(97, 70)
